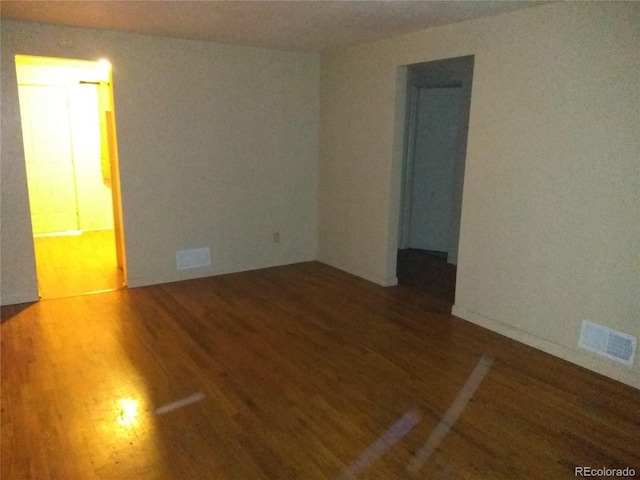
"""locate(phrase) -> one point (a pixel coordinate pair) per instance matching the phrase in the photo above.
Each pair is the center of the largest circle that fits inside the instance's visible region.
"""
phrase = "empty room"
(319, 240)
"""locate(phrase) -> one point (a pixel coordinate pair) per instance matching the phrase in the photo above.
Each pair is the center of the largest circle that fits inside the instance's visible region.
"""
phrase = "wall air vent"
(607, 342)
(199, 257)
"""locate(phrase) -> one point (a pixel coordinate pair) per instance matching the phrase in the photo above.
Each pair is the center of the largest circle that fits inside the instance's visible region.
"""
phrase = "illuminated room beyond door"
(65, 106)
(48, 157)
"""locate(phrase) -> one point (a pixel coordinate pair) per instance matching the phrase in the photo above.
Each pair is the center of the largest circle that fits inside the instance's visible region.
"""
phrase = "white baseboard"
(16, 298)
(378, 280)
(171, 276)
(576, 356)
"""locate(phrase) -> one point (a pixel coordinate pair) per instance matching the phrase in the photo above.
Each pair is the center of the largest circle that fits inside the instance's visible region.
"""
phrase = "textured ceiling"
(303, 25)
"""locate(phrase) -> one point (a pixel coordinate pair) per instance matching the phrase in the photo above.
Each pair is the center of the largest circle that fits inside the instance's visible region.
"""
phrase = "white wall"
(550, 231)
(218, 147)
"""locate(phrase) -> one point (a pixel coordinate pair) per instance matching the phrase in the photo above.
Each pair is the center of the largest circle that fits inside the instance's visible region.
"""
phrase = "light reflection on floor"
(108, 412)
(128, 416)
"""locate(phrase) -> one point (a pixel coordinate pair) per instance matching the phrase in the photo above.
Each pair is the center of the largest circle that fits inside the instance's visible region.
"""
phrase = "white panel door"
(433, 168)
(48, 155)
(95, 209)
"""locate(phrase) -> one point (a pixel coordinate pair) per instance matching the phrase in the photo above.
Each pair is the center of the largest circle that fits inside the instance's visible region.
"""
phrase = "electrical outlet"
(276, 237)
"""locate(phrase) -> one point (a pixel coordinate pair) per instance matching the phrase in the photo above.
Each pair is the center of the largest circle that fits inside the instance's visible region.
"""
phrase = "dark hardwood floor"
(429, 272)
(302, 369)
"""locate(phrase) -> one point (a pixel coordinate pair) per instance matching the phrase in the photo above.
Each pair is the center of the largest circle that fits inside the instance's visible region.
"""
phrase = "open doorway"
(438, 102)
(68, 128)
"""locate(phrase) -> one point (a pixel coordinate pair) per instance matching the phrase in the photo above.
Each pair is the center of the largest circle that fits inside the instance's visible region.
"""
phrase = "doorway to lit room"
(68, 128)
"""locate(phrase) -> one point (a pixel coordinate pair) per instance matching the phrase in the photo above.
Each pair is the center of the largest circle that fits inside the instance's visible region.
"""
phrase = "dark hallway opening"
(428, 271)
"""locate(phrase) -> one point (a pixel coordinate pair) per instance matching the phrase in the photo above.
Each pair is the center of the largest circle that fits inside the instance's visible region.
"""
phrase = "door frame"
(408, 163)
(450, 72)
(116, 192)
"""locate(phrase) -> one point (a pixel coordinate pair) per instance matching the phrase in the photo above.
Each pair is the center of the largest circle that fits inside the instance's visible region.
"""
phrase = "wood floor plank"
(302, 368)
(71, 265)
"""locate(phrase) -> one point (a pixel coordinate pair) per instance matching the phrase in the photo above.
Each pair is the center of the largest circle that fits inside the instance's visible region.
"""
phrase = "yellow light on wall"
(104, 64)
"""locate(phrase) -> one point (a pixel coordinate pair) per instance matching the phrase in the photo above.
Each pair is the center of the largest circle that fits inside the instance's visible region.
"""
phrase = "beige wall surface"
(550, 230)
(218, 148)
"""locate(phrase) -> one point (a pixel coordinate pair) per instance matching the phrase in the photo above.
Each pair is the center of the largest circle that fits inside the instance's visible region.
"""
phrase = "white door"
(95, 209)
(48, 155)
(434, 160)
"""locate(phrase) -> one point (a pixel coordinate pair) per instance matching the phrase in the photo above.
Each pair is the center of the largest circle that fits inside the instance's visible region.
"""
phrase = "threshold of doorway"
(59, 234)
(94, 292)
